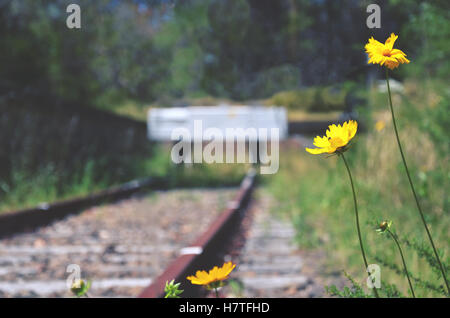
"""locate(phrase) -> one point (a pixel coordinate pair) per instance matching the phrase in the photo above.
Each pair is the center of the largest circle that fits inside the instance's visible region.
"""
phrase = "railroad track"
(221, 238)
(28, 219)
(124, 248)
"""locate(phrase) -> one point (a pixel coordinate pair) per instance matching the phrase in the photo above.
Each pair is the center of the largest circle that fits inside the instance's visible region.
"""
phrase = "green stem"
(357, 221)
(404, 263)
(217, 293)
(412, 186)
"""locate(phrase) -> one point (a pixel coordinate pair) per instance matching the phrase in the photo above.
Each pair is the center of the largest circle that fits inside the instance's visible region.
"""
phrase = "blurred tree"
(146, 49)
(151, 50)
(425, 25)
(41, 56)
(111, 55)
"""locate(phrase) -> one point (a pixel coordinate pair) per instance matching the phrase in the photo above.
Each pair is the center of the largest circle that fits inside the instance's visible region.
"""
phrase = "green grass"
(48, 184)
(45, 186)
(138, 111)
(314, 192)
(313, 99)
(194, 175)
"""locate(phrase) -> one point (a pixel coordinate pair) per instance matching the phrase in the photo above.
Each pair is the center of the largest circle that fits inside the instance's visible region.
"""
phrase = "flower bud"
(384, 226)
(77, 286)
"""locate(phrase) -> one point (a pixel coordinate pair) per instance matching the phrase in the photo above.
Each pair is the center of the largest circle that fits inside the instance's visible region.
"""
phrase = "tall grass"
(314, 194)
(45, 185)
(51, 152)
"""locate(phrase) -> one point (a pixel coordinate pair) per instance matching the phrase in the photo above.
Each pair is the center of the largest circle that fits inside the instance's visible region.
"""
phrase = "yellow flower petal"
(227, 268)
(321, 142)
(352, 128)
(316, 151)
(390, 41)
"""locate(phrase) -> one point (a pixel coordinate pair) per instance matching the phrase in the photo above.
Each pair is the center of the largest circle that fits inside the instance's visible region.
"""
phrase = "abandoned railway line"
(122, 247)
(129, 240)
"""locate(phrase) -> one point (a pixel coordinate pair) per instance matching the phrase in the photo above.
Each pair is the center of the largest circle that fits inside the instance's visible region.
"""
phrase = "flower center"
(336, 142)
(387, 52)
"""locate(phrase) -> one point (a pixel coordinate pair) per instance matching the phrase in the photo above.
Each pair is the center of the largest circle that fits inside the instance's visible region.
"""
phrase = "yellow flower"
(379, 125)
(217, 274)
(337, 137)
(385, 54)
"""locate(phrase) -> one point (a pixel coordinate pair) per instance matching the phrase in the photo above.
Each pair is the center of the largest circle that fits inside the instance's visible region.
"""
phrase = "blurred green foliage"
(129, 54)
(47, 183)
(313, 99)
(426, 31)
(146, 50)
(314, 193)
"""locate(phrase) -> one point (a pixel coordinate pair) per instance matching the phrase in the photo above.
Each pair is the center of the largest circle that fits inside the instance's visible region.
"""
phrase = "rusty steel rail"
(206, 249)
(45, 213)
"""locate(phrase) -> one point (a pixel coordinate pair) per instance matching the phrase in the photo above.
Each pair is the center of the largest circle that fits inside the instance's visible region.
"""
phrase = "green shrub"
(274, 79)
(313, 99)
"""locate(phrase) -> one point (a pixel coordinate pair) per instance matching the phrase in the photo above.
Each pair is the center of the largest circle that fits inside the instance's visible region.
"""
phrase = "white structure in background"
(162, 121)
(396, 86)
(220, 125)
